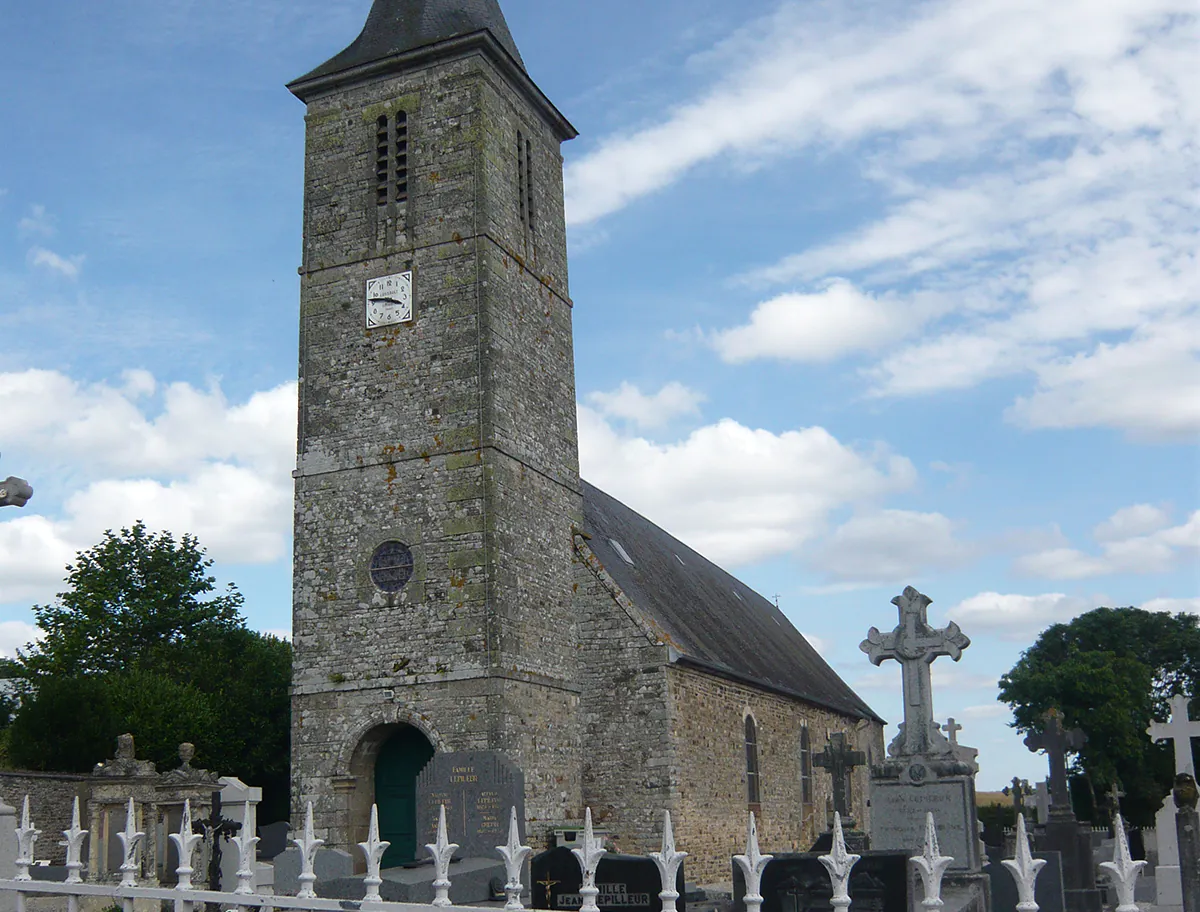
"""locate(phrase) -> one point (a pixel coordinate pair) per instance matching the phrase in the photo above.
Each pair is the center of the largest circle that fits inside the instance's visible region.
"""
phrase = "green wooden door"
(401, 758)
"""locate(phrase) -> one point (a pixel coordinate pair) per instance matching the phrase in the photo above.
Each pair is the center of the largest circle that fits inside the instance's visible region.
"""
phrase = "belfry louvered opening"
(525, 182)
(391, 159)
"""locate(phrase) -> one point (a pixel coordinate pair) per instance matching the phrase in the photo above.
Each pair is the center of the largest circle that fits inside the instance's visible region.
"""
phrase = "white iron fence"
(930, 864)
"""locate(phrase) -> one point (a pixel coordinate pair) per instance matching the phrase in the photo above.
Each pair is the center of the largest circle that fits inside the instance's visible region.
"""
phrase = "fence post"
(308, 845)
(1024, 869)
(514, 855)
(668, 862)
(932, 865)
(753, 863)
(1123, 869)
(373, 848)
(245, 842)
(589, 856)
(442, 851)
(839, 863)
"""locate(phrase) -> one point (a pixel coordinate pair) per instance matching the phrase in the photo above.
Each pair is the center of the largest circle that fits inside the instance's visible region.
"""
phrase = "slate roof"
(715, 621)
(396, 26)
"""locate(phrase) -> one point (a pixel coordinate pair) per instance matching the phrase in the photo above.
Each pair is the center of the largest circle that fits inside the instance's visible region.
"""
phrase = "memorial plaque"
(898, 818)
(478, 788)
(800, 883)
(627, 883)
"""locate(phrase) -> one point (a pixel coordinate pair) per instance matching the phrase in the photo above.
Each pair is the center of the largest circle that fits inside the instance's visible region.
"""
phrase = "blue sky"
(867, 294)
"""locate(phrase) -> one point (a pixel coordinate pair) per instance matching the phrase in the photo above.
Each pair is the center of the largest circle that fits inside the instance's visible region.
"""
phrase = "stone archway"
(384, 770)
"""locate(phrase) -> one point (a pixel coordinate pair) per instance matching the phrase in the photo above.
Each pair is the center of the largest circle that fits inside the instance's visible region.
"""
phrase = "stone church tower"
(438, 483)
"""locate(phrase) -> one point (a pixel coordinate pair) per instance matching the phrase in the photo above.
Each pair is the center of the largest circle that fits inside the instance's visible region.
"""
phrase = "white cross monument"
(1181, 730)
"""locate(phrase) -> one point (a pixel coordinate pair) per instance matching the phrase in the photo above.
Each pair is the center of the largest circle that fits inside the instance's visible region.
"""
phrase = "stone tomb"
(898, 812)
(800, 883)
(477, 788)
(627, 883)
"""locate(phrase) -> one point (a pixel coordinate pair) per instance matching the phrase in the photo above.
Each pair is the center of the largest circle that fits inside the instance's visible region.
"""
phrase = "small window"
(621, 552)
(806, 776)
(391, 566)
(753, 794)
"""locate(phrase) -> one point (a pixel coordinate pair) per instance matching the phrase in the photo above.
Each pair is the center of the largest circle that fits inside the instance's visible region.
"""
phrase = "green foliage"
(139, 643)
(1111, 672)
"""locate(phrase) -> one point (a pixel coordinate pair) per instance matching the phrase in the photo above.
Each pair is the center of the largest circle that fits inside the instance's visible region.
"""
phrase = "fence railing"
(930, 865)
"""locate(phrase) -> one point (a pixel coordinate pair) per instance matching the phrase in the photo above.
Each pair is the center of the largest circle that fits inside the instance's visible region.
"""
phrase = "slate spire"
(398, 26)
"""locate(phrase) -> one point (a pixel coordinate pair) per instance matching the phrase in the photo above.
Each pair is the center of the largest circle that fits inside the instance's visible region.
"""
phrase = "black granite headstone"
(800, 883)
(274, 839)
(627, 883)
(478, 789)
(1047, 890)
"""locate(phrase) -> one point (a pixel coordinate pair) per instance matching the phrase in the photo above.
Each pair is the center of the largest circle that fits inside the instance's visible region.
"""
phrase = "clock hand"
(387, 300)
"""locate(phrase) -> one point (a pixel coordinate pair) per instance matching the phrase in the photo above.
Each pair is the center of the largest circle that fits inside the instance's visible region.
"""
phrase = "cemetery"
(510, 689)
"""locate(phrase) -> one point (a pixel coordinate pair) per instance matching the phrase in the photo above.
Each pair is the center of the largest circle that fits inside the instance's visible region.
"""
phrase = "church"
(457, 585)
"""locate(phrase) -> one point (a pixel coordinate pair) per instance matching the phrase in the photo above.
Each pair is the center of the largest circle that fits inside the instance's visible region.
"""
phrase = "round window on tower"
(391, 566)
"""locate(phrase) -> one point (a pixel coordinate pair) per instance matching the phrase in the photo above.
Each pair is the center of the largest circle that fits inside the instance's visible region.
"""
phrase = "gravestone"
(839, 760)
(1048, 890)
(1062, 833)
(274, 838)
(478, 788)
(800, 883)
(1179, 730)
(1042, 801)
(328, 864)
(627, 883)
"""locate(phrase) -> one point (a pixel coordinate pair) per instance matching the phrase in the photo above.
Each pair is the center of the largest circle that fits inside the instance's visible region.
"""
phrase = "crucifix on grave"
(839, 760)
(915, 645)
(1181, 730)
(1056, 741)
(215, 828)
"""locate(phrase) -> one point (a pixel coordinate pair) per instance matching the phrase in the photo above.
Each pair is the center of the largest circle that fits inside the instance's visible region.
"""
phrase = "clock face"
(389, 300)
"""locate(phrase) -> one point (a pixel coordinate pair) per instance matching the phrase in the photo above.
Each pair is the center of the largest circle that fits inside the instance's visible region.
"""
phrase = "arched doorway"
(401, 758)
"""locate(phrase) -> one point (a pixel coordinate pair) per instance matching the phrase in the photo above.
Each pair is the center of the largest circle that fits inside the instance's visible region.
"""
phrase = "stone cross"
(1018, 792)
(1181, 729)
(1115, 795)
(1056, 741)
(952, 728)
(914, 644)
(838, 759)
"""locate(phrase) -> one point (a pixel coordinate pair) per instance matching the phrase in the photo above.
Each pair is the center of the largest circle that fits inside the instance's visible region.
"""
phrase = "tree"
(141, 642)
(1111, 672)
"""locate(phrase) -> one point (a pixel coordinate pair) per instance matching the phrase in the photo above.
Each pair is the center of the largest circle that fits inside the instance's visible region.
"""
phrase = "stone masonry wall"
(708, 716)
(629, 759)
(50, 798)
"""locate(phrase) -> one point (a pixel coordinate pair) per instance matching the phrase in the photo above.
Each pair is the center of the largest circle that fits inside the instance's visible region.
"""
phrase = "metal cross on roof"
(914, 644)
(839, 759)
(1181, 730)
(1056, 741)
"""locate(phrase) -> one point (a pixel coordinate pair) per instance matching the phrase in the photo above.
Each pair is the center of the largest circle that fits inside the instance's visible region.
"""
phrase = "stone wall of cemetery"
(454, 434)
(630, 761)
(708, 727)
(50, 798)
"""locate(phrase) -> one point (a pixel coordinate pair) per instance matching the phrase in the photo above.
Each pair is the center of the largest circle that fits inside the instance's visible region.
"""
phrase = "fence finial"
(1024, 869)
(442, 851)
(245, 842)
(185, 841)
(668, 862)
(1123, 869)
(932, 865)
(74, 845)
(373, 848)
(131, 841)
(839, 863)
(308, 845)
(27, 835)
(514, 855)
(753, 863)
(589, 856)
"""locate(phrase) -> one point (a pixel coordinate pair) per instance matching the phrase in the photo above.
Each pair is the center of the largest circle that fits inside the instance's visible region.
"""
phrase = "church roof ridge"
(396, 27)
(714, 620)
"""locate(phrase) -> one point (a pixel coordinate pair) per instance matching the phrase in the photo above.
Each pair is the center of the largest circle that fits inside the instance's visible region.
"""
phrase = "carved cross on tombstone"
(914, 644)
(838, 759)
(1181, 729)
(1056, 741)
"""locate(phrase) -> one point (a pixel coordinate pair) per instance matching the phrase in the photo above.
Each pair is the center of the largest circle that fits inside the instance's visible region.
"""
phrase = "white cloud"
(1136, 539)
(188, 461)
(820, 644)
(949, 676)
(38, 223)
(1016, 617)
(15, 635)
(1173, 605)
(986, 711)
(1036, 181)
(629, 403)
(821, 326)
(733, 493)
(891, 546)
(48, 259)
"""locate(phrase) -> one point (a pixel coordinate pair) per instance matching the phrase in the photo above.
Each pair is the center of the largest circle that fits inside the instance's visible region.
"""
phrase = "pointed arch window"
(753, 785)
